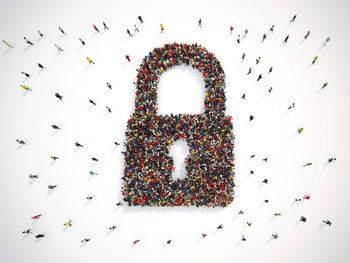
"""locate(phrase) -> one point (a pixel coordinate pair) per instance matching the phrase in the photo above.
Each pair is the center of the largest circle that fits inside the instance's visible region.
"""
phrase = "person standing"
(231, 29)
(39, 236)
(161, 28)
(243, 238)
(315, 59)
(327, 222)
(249, 71)
(78, 145)
(136, 241)
(92, 102)
(20, 141)
(140, 18)
(270, 90)
(238, 39)
(7, 44)
(263, 38)
(243, 56)
(113, 227)
(136, 29)
(109, 85)
(275, 236)
(272, 28)
(69, 223)
(259, 77)
(270, 70)
(200, 23)
(251, 117)
(128, 31)
(245, 33)
(127, 57)
(54, 126)
(36, 217)
(96, 29)
(105, 26)
(40, 66)
(40, 34)
(257, 60)
(58, 96)
(82, 41)
(324, 85)
(300, 130)
(303, 219)
(243, 96)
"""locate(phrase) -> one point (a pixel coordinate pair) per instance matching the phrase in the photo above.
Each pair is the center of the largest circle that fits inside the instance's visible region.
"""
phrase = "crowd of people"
(148, 167)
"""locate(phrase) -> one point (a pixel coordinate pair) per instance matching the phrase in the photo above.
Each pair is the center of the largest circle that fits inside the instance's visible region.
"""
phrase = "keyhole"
(179, 150)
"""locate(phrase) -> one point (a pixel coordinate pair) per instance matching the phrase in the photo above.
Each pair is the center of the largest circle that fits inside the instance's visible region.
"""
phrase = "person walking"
(36, 217)
(140, 18)
(96, 29)
(27, 41)
(25, 74)
(33, 176)
(324, 85)
(251, 117)
(82, 41)
(58, 96)
(54, 126)
(92, 102)
(62, 31)
(128, 31)
(93, 173)
(249, 71)
(307, 35)
(243, 56)
(291, 106)
(300, 130)
(128, 58)
(257, 60)
(265, 160)
(109, 109)
(105, 26)
(169, 241)
(204, 235)
(136, 241)
(69, 223)
(238, 39)
(85, 240)
(332, 160)
(243, 97)
(243, 238)
(54, 158)
(263, 38)
(315, 59)
(78, 145)
(89, 197)
(109, 85)
(326, 41)
(327, 222)
(270, 70)
(161, 28)
(277, 214)
(136, 29)
(265, 181)
(303, 219)
(28, 231)
(231, 29)
(259, 77)
(94, 159)
(220, 226)
(40, 66)
(272, 28)
(89, 60)
(200, 23)
(113, 227)
(307, 164)
(39, 236)
(51, 187)
(25, 87)
(270, 90)
(293, 19)
(58, 48)
(286, 39)
(7, 44)
(40, 34)
(275, 236)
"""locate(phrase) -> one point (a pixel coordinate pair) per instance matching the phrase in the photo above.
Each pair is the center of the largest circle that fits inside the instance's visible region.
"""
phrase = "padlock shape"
(147, 178)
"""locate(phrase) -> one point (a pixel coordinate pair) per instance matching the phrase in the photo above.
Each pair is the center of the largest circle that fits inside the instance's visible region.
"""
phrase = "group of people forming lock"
(209, 166)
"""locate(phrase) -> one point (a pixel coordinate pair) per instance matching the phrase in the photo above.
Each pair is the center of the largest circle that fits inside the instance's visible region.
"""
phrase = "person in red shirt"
(95, 27)
(231, 29)
(36, 217)
(127, 57)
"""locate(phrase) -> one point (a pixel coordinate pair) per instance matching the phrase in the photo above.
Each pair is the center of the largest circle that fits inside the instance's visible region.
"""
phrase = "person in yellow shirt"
(7, 44)
(161, 28)
(89, 60)
(68, 223)
(25, 87)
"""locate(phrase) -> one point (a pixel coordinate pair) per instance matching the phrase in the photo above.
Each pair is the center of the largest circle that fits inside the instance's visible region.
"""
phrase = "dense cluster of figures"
(148, 166)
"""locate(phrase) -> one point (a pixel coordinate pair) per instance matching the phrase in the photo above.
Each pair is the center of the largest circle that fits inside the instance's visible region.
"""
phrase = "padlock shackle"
(164, 58)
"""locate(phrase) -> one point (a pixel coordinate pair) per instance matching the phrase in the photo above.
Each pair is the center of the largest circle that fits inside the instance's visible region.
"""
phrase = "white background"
(272, 134)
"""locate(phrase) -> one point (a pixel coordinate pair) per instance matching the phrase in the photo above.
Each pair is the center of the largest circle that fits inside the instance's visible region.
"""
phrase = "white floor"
(322, 113)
